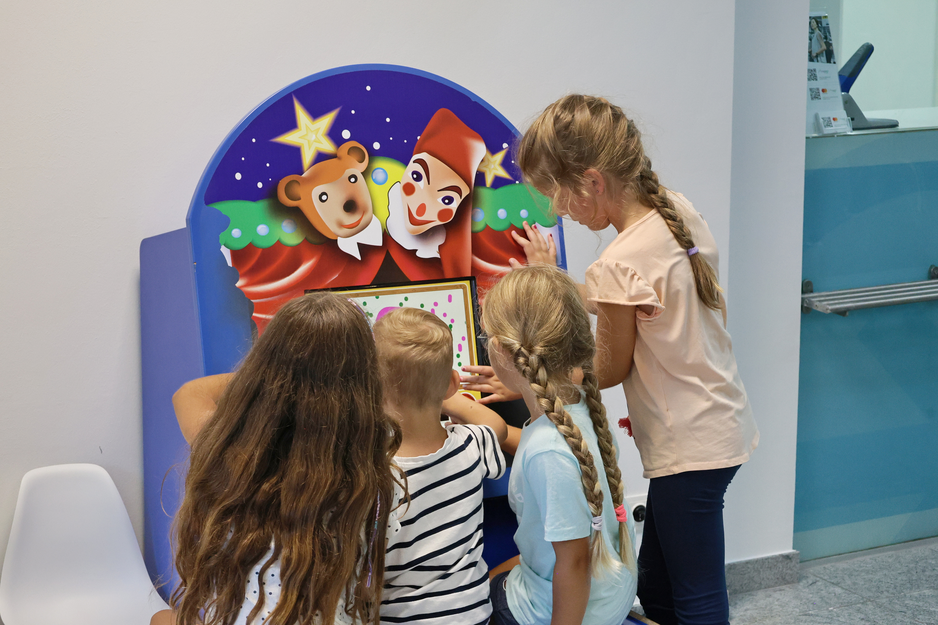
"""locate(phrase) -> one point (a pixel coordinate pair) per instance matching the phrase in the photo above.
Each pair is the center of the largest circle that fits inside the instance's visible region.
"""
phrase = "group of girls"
(291, 477)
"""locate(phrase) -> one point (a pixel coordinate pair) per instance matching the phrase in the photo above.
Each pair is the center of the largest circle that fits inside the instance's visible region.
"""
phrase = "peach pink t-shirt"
(687, 404)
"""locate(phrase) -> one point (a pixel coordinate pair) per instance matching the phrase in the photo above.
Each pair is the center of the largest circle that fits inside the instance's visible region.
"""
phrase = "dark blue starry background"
(390, 106)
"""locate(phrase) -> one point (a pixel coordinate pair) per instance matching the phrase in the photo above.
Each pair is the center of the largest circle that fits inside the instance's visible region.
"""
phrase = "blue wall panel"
(171, 355)
(867, 461)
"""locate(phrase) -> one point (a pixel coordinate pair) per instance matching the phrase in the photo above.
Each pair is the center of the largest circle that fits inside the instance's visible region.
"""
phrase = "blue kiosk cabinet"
(867, 460)
(260, 231)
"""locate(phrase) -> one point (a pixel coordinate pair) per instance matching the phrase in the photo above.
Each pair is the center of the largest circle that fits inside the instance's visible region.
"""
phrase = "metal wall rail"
(842, 302)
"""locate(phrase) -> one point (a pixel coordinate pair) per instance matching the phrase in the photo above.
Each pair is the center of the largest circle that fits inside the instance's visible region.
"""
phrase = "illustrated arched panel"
(360, 175)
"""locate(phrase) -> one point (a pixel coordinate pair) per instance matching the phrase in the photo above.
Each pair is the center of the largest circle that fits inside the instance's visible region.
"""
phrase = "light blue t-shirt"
(546, 494)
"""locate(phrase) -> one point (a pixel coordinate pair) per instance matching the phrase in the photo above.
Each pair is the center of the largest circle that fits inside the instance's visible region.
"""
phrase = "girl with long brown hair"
(289, 483)
(661, 333)
(577, 560)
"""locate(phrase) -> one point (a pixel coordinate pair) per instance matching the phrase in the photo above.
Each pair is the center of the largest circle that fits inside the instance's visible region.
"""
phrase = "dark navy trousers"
(681, 563)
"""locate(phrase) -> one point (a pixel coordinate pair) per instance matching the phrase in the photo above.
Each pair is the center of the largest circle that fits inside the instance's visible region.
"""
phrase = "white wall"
(764, 287)
(111, 111)
(903, 71)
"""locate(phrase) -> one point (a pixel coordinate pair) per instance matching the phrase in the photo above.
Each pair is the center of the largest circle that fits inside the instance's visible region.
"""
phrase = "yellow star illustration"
(491, 166)
(311, 135)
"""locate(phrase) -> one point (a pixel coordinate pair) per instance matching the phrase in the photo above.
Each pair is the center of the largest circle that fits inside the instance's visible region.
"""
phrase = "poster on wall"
(362, 175)
(825, 110)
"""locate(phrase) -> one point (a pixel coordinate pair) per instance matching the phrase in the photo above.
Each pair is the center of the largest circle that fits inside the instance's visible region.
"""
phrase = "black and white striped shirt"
(434, 572)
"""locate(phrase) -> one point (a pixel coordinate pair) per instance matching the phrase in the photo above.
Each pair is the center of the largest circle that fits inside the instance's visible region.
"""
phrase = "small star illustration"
(491, 167)
(311, 135)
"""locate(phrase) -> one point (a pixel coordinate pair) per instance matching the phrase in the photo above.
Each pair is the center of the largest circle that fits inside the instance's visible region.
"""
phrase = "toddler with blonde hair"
(434, 572)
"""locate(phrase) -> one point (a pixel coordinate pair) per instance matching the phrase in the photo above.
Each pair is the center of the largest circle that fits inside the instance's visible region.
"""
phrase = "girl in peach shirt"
(661, 333)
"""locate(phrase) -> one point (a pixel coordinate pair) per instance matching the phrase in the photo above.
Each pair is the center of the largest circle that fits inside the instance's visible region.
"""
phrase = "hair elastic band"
(692, 251)
(597, 523)
(621, 515)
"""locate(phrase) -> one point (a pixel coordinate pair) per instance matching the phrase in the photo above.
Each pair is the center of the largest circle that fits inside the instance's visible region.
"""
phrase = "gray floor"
(891, 585)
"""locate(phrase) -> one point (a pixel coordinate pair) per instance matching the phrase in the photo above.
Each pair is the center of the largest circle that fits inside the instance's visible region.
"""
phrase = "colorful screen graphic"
(452, 301)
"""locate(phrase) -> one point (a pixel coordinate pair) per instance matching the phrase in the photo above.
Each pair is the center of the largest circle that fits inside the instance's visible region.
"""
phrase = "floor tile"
(768, 620)
(810, 593)
(870, 612)
(920, 607)
(888, 573)
(889, 586)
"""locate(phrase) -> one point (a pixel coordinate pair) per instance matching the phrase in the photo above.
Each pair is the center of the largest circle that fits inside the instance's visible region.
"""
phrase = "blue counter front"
(867, 460)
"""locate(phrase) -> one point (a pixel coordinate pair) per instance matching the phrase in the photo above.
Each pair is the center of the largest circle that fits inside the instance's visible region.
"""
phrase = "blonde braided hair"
(652, 193)
(547, 337)
(578, 133)
(608, 451)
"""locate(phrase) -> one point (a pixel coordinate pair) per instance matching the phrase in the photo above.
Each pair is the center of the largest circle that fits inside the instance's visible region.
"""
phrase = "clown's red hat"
(448, 139)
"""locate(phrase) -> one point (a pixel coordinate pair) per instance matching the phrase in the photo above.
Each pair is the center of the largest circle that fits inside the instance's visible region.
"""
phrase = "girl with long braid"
(661, 333)
(577, 560)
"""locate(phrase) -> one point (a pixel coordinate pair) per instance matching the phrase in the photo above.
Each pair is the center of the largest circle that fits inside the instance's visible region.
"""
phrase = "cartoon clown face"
(431, 192)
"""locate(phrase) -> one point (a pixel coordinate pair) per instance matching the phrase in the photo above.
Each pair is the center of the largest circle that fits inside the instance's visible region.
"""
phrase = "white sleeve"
(493, 460)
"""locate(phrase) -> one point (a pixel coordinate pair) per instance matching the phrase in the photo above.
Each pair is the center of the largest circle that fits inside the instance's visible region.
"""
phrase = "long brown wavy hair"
(536, 315)
(296, 457)
(580, 132)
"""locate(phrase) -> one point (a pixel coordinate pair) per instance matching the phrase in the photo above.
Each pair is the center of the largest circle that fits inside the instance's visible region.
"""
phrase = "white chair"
(73, 557)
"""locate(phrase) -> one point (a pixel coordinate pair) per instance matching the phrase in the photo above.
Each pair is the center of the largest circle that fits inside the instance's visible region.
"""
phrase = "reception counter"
(867, 465)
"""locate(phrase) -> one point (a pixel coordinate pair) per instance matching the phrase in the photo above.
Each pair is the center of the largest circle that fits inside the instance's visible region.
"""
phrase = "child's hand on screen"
(537, 248)
(484, 380)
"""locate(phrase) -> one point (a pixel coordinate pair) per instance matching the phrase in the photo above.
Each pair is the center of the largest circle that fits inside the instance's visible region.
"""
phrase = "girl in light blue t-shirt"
(577, 559)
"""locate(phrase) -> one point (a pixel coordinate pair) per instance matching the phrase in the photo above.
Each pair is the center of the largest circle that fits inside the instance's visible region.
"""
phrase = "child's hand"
(537, 249)
(484, 380)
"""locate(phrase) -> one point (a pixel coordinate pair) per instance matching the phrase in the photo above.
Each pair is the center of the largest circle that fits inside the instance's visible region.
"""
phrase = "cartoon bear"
(334, 197)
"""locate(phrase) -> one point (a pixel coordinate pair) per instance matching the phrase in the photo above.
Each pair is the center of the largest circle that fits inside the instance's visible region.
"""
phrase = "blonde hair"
(577, 133)
(536, 316)
(415, 356)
